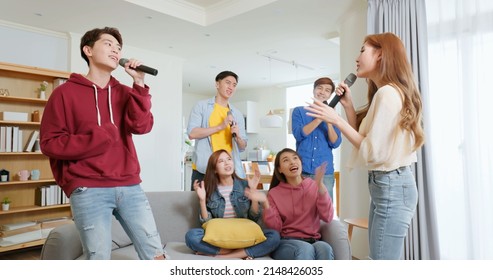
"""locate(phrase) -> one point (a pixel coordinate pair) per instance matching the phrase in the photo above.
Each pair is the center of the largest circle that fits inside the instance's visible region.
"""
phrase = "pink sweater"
(296, 211)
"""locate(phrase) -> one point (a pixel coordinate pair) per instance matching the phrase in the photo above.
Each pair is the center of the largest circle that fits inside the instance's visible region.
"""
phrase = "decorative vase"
(42, 94)
(5, 207)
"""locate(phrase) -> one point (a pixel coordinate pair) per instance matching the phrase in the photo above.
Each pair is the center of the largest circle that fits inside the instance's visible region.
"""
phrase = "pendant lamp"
(271, 121)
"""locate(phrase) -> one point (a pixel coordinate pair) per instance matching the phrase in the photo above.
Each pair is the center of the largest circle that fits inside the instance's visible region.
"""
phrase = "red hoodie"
(297, 211)
(86, 131)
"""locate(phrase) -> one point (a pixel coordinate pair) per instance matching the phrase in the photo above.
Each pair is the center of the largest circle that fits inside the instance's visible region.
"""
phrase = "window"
(296, 96)
(458, 127)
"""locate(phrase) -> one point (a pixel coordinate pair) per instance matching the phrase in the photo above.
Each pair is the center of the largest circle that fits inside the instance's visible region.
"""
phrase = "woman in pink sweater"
(295, 207)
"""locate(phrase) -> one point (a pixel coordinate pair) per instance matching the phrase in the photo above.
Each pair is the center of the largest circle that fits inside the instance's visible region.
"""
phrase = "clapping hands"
(251, 192)
(321, 111)
(319, 176)
(199, 189)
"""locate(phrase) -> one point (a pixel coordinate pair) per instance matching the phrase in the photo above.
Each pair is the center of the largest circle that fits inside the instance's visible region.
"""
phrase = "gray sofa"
(175, 213)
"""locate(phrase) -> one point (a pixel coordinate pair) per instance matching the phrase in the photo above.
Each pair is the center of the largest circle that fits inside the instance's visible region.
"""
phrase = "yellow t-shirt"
(221, 139)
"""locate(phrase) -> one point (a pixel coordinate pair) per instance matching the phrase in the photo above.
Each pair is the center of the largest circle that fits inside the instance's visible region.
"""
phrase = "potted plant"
(6, 204)
(42, 90)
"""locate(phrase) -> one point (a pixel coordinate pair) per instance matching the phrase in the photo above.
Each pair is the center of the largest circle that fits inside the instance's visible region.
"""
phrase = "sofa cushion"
(232, 233)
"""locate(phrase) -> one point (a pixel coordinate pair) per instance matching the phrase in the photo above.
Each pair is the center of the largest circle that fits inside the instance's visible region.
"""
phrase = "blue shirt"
(316, 147)
(199, 117)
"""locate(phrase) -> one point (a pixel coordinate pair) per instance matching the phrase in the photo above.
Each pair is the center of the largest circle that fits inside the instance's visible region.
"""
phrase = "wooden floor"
(22, 254)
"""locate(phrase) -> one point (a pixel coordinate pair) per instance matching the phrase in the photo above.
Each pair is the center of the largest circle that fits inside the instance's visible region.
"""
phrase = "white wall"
(267, 99)
(189, 100)
(354, 185)
(159, 151)
(33, 47)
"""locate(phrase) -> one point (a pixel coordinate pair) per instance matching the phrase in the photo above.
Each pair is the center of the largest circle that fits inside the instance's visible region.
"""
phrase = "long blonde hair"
(395, 69)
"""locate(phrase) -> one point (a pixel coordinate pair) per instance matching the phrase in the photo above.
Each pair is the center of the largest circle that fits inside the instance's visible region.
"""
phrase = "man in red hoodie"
(86, 131)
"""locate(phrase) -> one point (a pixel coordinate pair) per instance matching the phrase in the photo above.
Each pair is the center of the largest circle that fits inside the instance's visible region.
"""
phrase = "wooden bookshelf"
(22, 84)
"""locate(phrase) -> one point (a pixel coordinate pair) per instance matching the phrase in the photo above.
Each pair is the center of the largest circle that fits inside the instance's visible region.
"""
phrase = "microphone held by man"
(231, 122)
(142, 68)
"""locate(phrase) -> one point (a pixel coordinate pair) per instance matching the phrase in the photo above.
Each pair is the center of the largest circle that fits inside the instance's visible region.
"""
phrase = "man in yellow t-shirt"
(216, 124)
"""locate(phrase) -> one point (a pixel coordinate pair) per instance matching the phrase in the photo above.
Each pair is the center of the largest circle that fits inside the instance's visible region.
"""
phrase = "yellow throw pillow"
(232, 233)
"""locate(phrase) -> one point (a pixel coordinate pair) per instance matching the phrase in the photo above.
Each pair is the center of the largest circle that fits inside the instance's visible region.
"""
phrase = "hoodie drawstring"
(109, 104)
(97, 105)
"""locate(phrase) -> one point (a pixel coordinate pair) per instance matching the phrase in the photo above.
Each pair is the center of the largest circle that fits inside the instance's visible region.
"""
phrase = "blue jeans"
(295, 249)
(193, 239)
(328, 182)
(93, 209)
(394, 197)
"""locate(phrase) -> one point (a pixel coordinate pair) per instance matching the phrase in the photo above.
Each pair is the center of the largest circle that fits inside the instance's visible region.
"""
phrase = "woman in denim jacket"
(222, 195)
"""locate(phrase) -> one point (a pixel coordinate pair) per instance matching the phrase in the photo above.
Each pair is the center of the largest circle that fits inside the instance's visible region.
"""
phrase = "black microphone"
(349, 81)
(231, 123)
(143, 68)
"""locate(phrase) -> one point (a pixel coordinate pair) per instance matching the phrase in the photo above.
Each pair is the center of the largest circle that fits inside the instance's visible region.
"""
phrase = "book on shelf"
(49, 195)
(30, 142)
(3, 131)
(15, 139)
(54, 222)
(14, 116)
(8, 139)
(45, 232)
(7, 233)
(17, 225)
(20, 238)
(20, 140)
(40, 196)
(65, 198)
(50, 224)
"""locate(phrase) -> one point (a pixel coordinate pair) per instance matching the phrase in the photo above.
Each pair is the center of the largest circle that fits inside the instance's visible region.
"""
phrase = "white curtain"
(460, 138)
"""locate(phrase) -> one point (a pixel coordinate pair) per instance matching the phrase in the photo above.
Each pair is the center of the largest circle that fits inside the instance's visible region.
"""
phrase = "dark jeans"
(196, 176)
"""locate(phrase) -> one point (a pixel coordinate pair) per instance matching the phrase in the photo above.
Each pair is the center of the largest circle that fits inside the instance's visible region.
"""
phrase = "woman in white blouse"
(385, 134)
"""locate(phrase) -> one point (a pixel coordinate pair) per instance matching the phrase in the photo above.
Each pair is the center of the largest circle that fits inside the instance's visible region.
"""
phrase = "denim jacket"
(199, 117)
(241, 204)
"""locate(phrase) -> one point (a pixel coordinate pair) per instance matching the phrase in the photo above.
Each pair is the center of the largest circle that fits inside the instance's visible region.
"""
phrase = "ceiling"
(266, 42)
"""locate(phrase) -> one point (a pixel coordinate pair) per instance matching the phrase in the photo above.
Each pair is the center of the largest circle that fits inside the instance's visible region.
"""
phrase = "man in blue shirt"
(316, 139)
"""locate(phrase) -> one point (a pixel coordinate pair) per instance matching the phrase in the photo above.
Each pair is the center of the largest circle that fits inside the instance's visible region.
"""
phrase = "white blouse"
(386, 146)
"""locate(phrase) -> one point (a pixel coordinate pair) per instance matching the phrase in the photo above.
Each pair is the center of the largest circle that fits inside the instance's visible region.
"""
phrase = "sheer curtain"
(460, 37)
